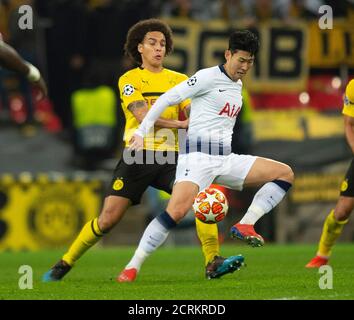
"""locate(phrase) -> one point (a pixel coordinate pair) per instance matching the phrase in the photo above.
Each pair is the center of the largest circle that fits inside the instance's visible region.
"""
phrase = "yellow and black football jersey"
(348, 108)
(142, 84)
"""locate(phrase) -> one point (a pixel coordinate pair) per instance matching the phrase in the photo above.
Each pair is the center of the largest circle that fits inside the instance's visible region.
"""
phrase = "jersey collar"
(222, 69)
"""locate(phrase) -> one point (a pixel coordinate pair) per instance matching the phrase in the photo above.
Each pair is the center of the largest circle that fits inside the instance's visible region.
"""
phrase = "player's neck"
(151, 68)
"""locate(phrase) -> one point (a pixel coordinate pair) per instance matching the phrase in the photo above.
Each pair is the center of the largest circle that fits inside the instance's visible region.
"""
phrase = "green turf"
(272, 272)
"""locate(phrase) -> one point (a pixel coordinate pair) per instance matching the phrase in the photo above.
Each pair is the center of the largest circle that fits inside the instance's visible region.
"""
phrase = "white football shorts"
(204, 169)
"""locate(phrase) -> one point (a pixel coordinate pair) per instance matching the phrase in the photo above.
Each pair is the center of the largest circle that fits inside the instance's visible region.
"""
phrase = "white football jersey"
(216, 102)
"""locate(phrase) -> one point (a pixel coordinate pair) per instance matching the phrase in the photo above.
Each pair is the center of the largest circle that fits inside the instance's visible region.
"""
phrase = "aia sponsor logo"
(229, 111)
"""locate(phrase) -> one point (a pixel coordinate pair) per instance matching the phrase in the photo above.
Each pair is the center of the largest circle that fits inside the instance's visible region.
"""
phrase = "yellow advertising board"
(296, 125)
(316, 187)
(40, 213)
(331, 48)
(287, 51)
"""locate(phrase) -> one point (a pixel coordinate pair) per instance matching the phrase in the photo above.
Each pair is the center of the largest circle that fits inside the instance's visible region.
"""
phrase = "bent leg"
(157, 231)
(276, 179)
(332, 229)
(335, 221)
(265, 170)
(208, 236)
(113, 209)
(334, 224)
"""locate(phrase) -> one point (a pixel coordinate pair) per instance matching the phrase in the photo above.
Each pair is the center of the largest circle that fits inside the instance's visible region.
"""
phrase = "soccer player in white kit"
(206, 156)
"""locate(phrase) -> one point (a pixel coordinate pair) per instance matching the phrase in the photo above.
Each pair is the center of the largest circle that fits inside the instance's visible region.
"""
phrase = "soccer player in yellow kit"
(339, 216)
(148, 42)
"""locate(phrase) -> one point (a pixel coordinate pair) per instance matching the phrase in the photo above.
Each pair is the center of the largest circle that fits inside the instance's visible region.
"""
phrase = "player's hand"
(184, 124)
(43, 91)
(136, 143)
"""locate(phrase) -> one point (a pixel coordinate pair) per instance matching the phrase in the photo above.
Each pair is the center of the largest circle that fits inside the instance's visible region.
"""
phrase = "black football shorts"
(130, 180)
(347, 186)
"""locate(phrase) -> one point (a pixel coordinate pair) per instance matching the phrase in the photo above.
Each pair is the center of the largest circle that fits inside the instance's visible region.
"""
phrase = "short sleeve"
(130, 89)
(195, 85)
(182, 77)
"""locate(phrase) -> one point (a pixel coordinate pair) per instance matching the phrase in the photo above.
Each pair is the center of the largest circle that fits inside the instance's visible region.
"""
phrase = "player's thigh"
(131, 180)
(182, 199)
(234, 171)
(264, 170)
(345, 203)
(347, 186)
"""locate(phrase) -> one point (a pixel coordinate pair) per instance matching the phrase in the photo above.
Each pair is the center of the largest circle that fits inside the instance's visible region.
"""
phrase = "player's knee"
(342, 215)
(287, 174)
(107, 219)
(343, 210)
(178, 212)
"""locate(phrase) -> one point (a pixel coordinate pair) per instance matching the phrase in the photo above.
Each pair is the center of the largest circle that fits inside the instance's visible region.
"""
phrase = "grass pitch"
(272, 272)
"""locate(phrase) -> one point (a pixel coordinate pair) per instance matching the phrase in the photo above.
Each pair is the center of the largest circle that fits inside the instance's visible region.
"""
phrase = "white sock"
(155, 234)
(264, 200)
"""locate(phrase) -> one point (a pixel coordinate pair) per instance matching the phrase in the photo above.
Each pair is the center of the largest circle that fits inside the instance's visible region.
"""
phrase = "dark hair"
(137, 33)
(243, 40)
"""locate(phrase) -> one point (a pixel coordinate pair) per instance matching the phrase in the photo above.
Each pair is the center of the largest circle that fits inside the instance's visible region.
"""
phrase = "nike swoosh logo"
(221, 90)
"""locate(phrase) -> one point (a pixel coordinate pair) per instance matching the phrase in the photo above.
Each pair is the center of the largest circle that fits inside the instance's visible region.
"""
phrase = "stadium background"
(57, 156)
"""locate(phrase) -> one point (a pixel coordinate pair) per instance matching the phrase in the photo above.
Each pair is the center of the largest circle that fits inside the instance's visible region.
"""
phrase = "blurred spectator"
(65, 46)
(103, 47)
(232, 10)
(236, 11)
(94, 126)
(304, 9)
(205, 9)
(178, 8)
(251, 12)
(191, 9)
(264, 10)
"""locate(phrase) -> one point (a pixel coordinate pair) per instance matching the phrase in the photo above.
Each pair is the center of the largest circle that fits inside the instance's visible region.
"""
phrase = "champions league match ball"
(210, 205)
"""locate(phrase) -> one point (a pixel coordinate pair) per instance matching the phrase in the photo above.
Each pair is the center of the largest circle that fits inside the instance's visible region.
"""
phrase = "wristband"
(33, 74)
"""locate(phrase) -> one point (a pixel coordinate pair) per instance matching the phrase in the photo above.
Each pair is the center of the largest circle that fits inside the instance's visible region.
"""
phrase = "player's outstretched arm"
(11, 60)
